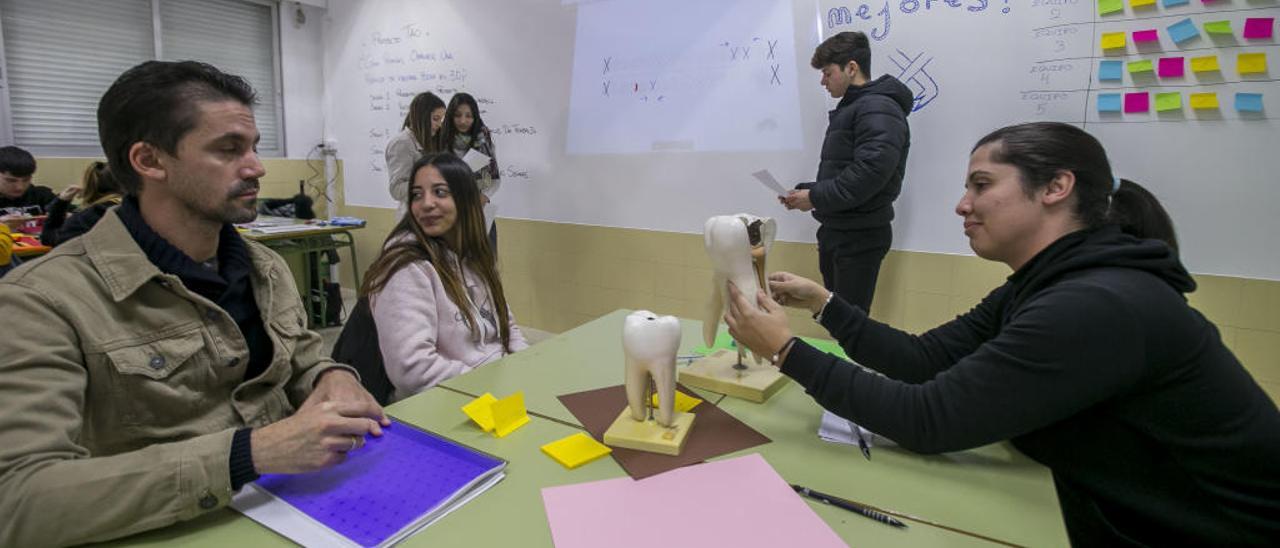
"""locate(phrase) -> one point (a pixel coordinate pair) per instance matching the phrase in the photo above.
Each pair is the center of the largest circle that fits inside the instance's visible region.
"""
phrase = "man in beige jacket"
(156, 364)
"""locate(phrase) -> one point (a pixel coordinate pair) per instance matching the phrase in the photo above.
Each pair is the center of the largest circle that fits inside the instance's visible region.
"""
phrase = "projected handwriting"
(911, 71)
(841, 16)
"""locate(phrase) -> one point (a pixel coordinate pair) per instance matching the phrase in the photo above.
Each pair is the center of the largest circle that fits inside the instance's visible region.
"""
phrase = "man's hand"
(339, 385)
(69, 193)
(319, 435)
(797, 199)
(797, 291)
(764, 330)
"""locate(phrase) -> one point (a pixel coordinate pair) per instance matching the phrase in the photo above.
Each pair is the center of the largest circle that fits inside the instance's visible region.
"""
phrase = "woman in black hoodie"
(1088, 359)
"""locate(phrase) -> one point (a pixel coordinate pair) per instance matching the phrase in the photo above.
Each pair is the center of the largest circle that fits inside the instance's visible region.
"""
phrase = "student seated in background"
(159, 362)
(436, 298)
(98, 192)
(1089, 358)
(419, 136)
(19, 199)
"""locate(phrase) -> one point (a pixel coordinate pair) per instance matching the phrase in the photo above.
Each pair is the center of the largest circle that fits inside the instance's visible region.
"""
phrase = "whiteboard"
(975, 64)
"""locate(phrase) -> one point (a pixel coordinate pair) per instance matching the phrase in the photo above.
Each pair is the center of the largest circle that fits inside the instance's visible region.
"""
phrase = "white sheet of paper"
(770, 182)
(837, 430)
(475, 159)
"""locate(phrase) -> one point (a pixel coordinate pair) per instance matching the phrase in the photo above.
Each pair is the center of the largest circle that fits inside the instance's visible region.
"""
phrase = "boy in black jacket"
(864, 158)
(20, 199)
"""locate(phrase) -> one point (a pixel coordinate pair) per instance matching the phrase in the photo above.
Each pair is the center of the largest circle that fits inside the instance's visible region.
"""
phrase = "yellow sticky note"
(1143, 65)
(509, 414)
(1113, 40)
(1251, 63)
(1203, 101)
(1208, 63)
(481, 411)
(576, 450)
(1168, 101)
(1142, 3)
(683, 403)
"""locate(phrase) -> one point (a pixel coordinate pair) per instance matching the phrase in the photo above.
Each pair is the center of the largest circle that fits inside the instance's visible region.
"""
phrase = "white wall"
(302, 76)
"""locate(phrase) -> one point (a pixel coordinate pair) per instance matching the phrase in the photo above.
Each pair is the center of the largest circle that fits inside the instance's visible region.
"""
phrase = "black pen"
(849, 505)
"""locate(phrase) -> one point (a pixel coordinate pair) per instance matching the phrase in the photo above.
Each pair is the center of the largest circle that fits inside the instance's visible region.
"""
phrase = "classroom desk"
(305, 243)
(991, 492)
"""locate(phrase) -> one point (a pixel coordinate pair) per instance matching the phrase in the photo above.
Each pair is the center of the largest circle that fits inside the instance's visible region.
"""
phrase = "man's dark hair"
(157, 102)
(842, 48)
(16, 162)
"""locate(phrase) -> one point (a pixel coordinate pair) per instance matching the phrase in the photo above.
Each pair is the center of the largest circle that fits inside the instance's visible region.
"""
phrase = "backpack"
(357, 346)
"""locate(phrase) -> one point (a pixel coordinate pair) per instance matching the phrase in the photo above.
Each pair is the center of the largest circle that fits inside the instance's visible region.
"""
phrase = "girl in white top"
(434, 291)
(418, 136)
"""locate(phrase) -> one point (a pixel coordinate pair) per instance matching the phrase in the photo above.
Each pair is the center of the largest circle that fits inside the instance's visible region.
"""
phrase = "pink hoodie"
(423, 337)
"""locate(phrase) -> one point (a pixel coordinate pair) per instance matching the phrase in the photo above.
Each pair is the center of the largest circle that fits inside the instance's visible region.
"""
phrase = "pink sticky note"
(701, 505)
(1137, 102)
(1259, 27)
(1170, 67)
(1141, 36)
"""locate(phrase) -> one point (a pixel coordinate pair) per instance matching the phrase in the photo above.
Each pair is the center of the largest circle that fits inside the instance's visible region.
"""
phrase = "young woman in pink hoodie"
(435, 294)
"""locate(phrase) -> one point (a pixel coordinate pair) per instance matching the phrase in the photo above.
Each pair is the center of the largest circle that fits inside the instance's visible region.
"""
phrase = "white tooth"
(729, 249)
(650, 343)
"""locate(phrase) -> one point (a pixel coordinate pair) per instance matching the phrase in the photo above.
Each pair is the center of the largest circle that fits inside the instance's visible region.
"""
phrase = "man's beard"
(232, 211)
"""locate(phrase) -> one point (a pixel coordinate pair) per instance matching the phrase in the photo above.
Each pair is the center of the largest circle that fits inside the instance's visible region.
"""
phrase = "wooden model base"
(716, 373)
(650, 436)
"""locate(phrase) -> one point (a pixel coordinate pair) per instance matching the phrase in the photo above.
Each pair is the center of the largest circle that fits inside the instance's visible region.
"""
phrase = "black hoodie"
(1091, 361)
(864, 156)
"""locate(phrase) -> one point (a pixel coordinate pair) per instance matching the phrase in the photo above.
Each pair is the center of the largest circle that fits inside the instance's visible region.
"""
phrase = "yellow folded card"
(1204, 101)
(576, 450)
(1113, 40)
(1251, 63)
(683, 403)
(509, 414)
(1208, 63)
(480, 410)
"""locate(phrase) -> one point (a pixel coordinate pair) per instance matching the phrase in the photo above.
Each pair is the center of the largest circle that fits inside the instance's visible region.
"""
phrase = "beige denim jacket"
(120, 389)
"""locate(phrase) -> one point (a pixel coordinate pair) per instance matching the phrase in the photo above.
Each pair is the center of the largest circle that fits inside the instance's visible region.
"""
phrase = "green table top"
(992, 491)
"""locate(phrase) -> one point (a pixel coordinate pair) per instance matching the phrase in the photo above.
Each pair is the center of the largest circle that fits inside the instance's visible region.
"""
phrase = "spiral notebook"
(385, 491)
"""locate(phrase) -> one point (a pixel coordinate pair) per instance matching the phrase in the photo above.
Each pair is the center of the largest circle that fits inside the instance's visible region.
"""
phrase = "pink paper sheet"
(740, 502)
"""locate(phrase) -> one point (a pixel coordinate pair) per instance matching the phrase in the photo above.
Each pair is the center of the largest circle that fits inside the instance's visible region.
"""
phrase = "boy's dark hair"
(842, 48)
(157, 102)
(17, 162)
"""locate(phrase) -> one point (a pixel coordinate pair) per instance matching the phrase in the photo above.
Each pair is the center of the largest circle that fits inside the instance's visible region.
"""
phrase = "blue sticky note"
(1249, 102)
(1172, 3)
(1110, 70)
(1183, 30)
(1109, 102)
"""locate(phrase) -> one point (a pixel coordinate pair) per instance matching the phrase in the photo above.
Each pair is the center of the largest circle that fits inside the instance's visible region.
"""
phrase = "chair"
(357, 346)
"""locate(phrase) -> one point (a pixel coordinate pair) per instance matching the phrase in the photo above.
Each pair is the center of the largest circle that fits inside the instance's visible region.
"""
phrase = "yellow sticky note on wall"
(1251, 63)
(683, 403)
(509, 414)
(1206, 63)
(480, 410)
(576, 450)
(1204, 101)
(1142, 3)
(1113, 40)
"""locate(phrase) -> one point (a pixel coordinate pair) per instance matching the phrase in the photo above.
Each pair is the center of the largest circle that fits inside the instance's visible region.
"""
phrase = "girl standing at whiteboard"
(464, 131)
(435, 295)
(418, 136)
(1088, 359)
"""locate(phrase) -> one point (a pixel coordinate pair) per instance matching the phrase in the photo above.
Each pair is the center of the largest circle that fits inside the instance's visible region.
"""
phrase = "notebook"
(385, 491)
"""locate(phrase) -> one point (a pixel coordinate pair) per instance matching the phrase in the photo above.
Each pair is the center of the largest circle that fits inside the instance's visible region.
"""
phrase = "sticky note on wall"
(1251, 63)
(1113, 40)
(1144, 36)
(1140, 66)
(1249, 102)
(1217, 27)
(1110, 71)
(1109, 102)
(1110, 6)
(1172, 3)
(1142, 3)
(1259, 28)
(1137, 102)
(1183, 31)
(1171, 67)
(1205, 63)
(1204, 101)
(1168, 101)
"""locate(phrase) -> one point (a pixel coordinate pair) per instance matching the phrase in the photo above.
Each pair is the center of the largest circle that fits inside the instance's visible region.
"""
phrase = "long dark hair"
(468, 240)
(449, 130)
(1042, 150)
(418, 120)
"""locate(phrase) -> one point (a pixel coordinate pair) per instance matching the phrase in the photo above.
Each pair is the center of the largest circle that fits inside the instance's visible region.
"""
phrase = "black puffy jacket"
(864, 156)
